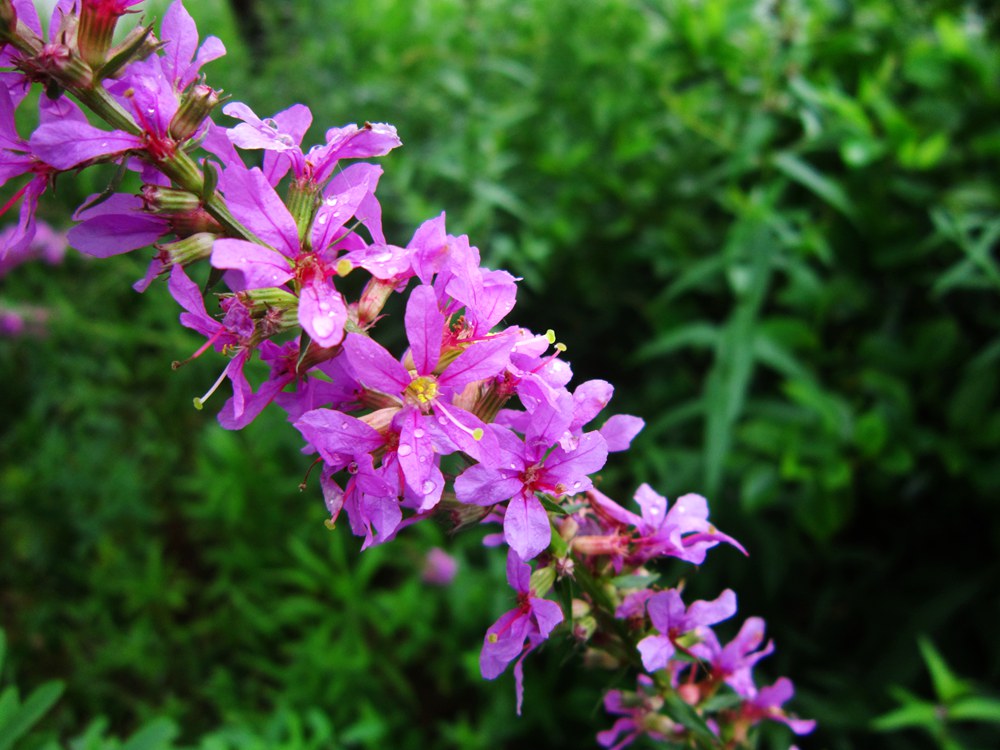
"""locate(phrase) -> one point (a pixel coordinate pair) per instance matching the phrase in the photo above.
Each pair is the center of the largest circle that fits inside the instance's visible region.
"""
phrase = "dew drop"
(418, 433)
(344, 425)
(428, 487)
(442, 421)
(405, 450)
(423, 459)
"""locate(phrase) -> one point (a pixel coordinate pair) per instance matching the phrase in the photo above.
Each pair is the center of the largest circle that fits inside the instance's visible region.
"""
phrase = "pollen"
(422, 390)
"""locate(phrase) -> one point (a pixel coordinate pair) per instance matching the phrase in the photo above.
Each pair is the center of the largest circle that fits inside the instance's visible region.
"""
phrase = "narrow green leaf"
(634, 581)
(8, 705)
(920, 714)
(975, 708)
(553, 507)
(28, 714)
(685, 715)
(947, 684)
(810, 178)
(155, 735)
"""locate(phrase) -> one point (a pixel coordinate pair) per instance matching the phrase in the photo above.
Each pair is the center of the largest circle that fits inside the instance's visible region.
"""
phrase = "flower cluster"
(473, 420)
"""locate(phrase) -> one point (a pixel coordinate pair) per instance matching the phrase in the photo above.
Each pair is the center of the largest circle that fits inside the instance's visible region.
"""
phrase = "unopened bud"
(165, 200)
(58, 63)
(584, 628)
(689, 693)
(8, 20)
(196, 105)
(138, 44)
(542, 580)
(594, 544)
(188, 250)
(373, 298)
(98, 19)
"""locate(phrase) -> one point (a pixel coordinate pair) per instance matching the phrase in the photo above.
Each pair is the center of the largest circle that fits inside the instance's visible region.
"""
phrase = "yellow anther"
(551, 336)
(344, 267)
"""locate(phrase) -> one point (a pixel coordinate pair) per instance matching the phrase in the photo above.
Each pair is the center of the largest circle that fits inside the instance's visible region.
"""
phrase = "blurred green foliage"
(771, 225)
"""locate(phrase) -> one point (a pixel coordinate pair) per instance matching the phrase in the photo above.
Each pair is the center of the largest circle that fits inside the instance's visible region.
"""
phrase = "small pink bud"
(689, 693)
(439, 567)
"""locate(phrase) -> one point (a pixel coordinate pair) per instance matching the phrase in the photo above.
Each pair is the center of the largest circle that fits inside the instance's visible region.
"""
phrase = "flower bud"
(138, 44)
(542, 580)
(594, 544)
(98, 19)
(188, 250)
(689, 693)
(58, 64)
(373, 298)
(8, 20)
(196, 105)
(158, 199)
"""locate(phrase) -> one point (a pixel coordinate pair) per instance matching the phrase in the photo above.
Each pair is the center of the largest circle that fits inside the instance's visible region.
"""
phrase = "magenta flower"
(683, 531)
(520, 631)
(734, 662)
(524, 468)
(282, 136)
(429, 423)
(767, 703)
(439, 567)
(639, 712)
(672, 619)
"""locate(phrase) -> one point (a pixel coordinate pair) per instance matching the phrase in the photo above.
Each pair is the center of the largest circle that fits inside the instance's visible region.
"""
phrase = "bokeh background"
(772, 225)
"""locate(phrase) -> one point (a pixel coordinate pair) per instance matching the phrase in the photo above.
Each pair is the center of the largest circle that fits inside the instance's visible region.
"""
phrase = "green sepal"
(633, 581)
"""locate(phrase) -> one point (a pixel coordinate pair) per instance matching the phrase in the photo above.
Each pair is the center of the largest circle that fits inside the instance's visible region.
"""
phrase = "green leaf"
(947, 684)
(685, 715)
(155, 735)
(919, 714)
(975, 708)
(553, 507)
(806, 175)
(634, 581)
(28, 714)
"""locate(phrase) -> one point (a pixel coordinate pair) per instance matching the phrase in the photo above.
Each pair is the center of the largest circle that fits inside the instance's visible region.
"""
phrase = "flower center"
(422, 390)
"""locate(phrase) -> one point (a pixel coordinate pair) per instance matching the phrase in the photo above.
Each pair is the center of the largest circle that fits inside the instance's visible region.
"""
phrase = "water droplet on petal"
(423, 459)
(405, 450)
(442, 421)
(344, 425)
(428, 487)
(418, 433)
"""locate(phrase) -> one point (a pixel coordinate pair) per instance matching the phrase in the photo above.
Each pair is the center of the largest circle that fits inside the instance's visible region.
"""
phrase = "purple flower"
(519, 631)
(683, 531)
(439, 567)
(672, 620)
(282, 135)
(523, 468)
(639, 712)
(428, 422)
(767, 703)
(734, 662)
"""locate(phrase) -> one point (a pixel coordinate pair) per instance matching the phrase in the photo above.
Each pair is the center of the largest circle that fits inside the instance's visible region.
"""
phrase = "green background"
(771, 225)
